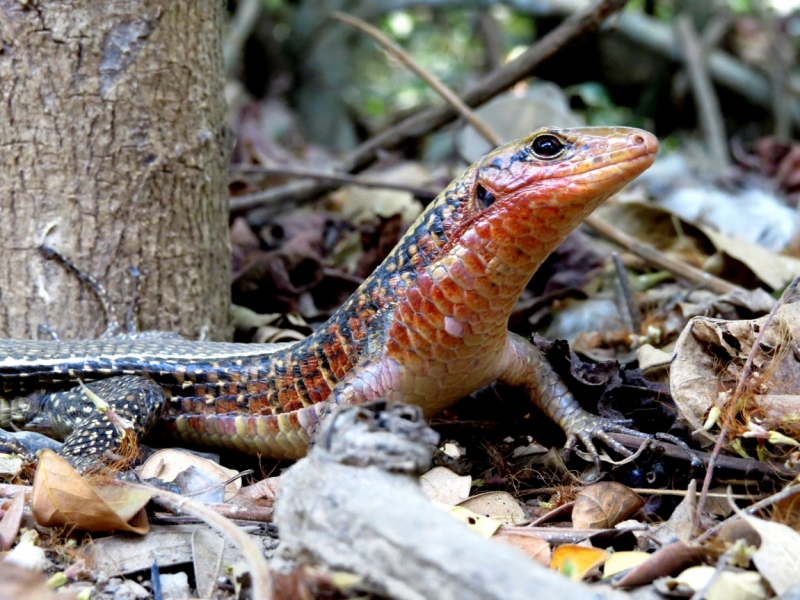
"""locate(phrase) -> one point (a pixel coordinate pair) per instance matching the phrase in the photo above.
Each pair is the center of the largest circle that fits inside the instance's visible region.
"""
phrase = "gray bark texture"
(114, 153)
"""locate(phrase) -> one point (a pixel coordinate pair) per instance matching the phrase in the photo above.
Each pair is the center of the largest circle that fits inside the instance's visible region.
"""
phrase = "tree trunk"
(114, 153)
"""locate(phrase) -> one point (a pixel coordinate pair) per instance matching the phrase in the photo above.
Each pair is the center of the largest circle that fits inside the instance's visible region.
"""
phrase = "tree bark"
(113, 152)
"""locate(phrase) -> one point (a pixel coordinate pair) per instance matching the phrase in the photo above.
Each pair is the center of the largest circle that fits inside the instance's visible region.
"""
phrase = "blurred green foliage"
(446, 42)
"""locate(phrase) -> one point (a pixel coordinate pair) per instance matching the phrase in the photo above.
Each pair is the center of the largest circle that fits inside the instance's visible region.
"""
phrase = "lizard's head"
(557, 176)
(519, 201)
(507, 212)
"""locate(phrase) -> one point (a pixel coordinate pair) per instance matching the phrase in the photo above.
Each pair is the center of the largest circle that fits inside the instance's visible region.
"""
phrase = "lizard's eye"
(484, 197)
(547, 146)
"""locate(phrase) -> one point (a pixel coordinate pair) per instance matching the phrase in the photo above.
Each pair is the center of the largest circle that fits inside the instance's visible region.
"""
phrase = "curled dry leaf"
(623, 561)
(62, 497)
(710, 354)
(603, 505)
(576, 562)
(500, 506)
(9, 524)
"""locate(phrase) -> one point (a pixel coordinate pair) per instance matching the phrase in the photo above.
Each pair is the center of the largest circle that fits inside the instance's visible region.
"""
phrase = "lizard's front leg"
(524, 365)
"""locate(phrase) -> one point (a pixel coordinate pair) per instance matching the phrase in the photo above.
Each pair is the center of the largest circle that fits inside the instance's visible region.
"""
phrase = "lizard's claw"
(588, 427)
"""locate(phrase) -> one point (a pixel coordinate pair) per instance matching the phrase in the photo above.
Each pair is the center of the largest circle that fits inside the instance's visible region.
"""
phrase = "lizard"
(428, 327)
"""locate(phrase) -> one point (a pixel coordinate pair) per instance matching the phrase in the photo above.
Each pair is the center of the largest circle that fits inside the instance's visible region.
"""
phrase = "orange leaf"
(62, 497)
(576, 562)
(603, 505)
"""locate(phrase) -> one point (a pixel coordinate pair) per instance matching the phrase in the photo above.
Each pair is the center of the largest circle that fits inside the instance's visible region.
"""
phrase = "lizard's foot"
(587, 427)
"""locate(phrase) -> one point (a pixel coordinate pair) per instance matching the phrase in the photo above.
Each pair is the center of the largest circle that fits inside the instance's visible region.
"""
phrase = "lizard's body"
(428, 327)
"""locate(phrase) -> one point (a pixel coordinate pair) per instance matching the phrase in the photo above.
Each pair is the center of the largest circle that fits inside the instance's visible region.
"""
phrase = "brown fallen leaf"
(603, 505)
(576, 562)
(9, 524)
(62, 497)
(533, 546)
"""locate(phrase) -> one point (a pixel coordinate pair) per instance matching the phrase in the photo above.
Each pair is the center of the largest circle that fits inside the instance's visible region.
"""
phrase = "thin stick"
(705, 97)
(445, 92)
(658, 259)
(248, 201)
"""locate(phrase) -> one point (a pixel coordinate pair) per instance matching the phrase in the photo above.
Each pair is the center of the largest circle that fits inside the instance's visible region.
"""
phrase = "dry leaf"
(500, 506)
(62, 497)
(533, 546)
(9, 525)
(444, 486)
(576, 562)
(773, 269)
(603, 505)
(623, 561)
(778, 558)
(710, 353)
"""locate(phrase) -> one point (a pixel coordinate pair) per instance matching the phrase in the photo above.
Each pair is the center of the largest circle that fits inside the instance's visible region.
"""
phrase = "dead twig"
(705, 97)
(245, 202)
(259, 569)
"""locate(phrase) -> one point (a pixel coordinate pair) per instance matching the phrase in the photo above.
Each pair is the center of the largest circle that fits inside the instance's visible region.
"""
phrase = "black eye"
(547, 146)
(485, 197)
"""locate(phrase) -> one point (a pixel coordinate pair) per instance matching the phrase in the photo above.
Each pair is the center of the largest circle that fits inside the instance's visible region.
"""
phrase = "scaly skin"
(428, 327)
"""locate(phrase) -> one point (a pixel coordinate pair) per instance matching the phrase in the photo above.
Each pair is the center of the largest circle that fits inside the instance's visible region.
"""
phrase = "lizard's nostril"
(638, 139)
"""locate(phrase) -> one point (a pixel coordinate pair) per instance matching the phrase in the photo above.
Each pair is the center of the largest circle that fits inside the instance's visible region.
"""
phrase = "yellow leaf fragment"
(623, 561)
(481, 525)
(730, 585)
